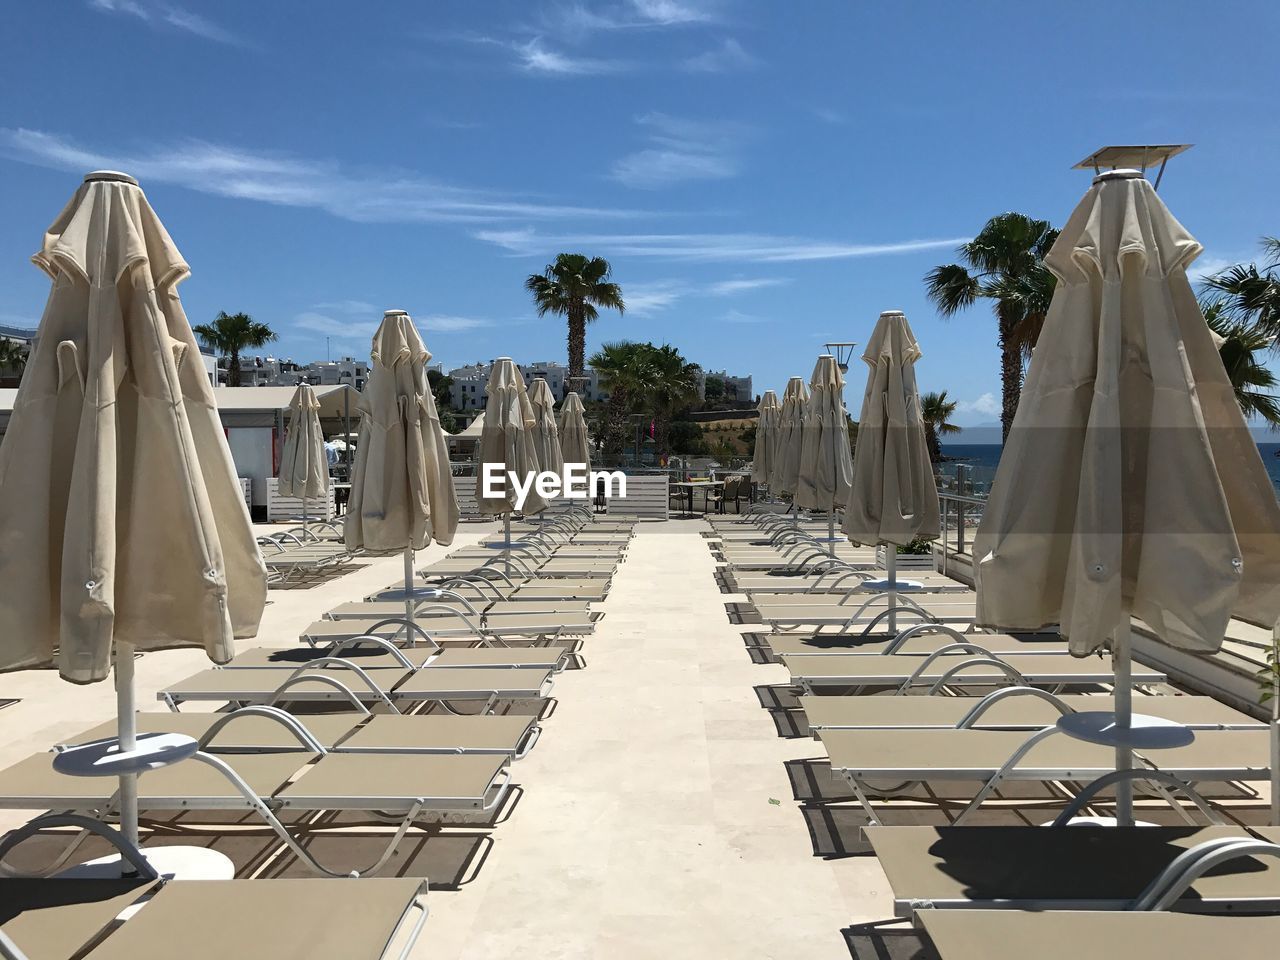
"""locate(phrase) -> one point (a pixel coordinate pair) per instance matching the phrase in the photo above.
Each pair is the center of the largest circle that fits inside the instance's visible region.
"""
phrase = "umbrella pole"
(1121, 662)
(127, 735)
(1275, 725)
(408, 589)
(831, 530)
(891, 564)
(304, 516)
(506, 541)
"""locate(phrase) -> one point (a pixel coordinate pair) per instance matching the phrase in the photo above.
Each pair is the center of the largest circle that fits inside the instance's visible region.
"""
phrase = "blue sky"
(763, 176)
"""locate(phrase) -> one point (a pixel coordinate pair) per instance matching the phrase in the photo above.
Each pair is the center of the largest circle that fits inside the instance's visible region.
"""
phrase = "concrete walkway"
(646, 828)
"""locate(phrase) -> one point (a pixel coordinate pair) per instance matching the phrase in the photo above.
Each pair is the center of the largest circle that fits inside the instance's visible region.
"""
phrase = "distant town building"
(737, 389)
(282, 372)
(467, 390)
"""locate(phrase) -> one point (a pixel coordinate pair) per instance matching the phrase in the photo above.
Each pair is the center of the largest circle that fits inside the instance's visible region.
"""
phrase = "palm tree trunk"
(661, 431)
(1010, 370)
(233, 369)
(615, 429)
(577, 341)
(933, 442)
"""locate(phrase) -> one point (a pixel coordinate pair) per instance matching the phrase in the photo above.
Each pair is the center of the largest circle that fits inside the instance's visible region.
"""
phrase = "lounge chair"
(571, 611)
(994, 757)
(1075, 868)
(911, 642)
(982, 935)
(375, 653)
(869, 612)
(484, 588)
(446, 625)
(263, 729)
(1009, 708)
(337, 681)
(210, 919)
(306, 780)
(837, 581)
(951, 667)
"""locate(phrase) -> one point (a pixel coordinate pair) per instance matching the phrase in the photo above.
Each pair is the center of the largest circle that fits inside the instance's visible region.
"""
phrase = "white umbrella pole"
(506, 541)
(831, 531)
(1275, 725)
(408, 590)
(304, 516)
(127, 735)
(1121, 662)
(891, 564)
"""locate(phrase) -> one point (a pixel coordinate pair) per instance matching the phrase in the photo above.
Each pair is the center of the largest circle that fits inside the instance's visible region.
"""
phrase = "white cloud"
(160, 14)
(673, 12)
(681, 150)
(643, 299)
(728, 56)
(752, 248)
(365, 197)
(727, 288)
(1208, 266)
(328, 325)
(537, 58)
(987, 404)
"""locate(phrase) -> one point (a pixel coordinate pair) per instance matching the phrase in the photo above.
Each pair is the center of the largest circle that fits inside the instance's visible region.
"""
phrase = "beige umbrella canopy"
(507, 440)
(1130, 484)
(402, 494)
(894, 497)
(304, 471)
(826, 463)
(785, 475)
(121, 520)
(575, 444)
(546, 434)
(762, 463)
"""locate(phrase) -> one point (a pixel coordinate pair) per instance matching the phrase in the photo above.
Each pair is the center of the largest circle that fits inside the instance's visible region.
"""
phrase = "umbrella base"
(902, 586)
(1143, 733)
(104, 758)
(178, 863)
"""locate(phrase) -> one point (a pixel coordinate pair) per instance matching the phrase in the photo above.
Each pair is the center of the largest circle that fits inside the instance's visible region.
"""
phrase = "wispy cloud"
(987, 404)
(728, 288)
(1207, 266)
(646, 298)
(386, 196)
(833, 117)
(321, 319)
(681, 150)
(536, 57)
(729, 55)
(160, 15)
(729, 247)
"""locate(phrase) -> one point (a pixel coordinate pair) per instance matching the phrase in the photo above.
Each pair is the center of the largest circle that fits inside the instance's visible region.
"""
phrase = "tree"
(1004, 263)
(440, 384)
(1253, 382)
(672, 385)
(1246, 295)
(231, 333)
(685, 437)
(626, 371)
(573, 287)
(936, 411)
(713, 391)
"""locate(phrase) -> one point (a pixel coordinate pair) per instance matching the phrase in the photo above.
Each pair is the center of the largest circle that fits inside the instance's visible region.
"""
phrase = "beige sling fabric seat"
(511, 735)
(370, 656)
(392, 689)
(1003, 710)
(485, 589)
(1069, 868)
(379, 919)
(428, 609)
(870, 612)
(837, 583)
(1062, 935)
(887, 670)
(548, 568)
(462, 625)
(836, 644)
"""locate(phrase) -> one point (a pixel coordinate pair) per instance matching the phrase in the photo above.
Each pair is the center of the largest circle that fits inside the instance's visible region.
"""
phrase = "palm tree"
(573, 287)
(1252, 381)
(936, 412)
(1248, 295)
(673, 385)
(231, 333)
(1004, 263)
(626, 371)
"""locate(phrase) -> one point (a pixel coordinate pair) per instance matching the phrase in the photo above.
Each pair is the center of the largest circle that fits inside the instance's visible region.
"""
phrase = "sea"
(978, 461)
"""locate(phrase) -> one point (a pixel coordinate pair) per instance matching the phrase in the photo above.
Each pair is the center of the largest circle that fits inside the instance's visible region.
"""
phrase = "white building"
(282, 372)
(737, 389)
(467, 390)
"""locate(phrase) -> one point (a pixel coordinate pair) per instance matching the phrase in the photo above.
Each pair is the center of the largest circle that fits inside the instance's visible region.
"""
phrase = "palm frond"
(952, 288)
